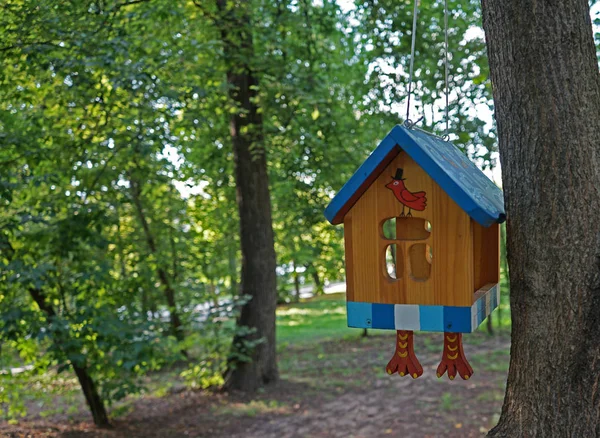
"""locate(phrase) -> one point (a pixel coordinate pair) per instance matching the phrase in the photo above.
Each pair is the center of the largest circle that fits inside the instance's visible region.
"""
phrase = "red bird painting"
(413, 200)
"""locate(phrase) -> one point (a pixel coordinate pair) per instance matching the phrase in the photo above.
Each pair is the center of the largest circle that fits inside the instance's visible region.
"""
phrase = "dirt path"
(394, 406)
(338, 389)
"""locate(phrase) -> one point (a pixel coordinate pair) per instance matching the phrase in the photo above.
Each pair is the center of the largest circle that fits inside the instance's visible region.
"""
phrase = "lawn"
(313, 320)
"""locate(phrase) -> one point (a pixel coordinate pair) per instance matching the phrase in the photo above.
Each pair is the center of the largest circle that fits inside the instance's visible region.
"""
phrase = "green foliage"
(116, 169)
(82, 125)
(212, 348)
(386, 33)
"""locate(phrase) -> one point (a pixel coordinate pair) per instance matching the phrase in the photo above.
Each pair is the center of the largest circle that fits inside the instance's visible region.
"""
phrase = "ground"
(333, 384)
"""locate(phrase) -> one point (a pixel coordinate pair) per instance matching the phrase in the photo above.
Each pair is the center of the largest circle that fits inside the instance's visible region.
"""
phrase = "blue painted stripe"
(383, 316)
(432, 318)
(457, 319)
(486, 304)
(460, 319)
(480, 306)
(480, 317)
(359, 314)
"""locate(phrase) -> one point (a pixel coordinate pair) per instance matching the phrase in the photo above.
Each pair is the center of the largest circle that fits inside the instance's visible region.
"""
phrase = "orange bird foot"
(404, 361)
(453, 358)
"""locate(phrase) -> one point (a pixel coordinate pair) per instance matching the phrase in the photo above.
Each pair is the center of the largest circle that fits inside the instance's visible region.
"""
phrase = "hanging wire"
(412, 61)
(407, 122)
(447, 134)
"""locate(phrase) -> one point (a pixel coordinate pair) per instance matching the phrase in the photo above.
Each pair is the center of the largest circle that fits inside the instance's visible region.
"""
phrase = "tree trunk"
(546, 86)
(296, 283)
(490, 325)
(258, 278)
(169, 292)
(212, 290)
(316, 280)
(92, 397)
(233, 275)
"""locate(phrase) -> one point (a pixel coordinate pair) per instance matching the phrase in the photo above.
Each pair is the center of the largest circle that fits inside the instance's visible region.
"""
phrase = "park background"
(119, 228)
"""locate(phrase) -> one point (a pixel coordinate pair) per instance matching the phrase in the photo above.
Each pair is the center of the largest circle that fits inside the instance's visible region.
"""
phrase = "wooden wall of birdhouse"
(422, 237)
(433, 247)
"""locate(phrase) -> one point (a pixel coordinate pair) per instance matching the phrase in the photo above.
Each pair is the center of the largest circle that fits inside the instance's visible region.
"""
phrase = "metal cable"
(412, 58)
(446, 68)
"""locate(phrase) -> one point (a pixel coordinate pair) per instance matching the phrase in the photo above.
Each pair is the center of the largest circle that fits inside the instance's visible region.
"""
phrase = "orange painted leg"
(404, 361)
(453, 358)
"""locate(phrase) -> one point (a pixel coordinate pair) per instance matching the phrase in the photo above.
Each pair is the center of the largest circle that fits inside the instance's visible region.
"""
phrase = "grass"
(315, 320)
(447, 401)
(494, 361)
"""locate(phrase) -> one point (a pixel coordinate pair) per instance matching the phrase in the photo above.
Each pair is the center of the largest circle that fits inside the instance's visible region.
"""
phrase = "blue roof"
(462, 180)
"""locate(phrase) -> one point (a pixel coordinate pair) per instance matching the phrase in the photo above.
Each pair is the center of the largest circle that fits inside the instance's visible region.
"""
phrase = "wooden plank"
(420, 266)
(486, 255)
(349, 257)
(368, 258)
(412, 228)
(451, 276)
(483, 290)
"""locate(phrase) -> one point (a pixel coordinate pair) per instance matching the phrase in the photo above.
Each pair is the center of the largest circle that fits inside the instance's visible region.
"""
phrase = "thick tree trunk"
(169, 292)
(233, 275)
(546, 86)
(256, 233)
(92, 397)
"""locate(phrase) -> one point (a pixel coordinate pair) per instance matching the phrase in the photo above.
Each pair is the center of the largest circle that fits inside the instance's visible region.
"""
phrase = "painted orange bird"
(413, 200)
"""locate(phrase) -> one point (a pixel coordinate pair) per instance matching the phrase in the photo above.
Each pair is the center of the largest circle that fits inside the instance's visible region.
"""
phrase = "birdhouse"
(422, 245)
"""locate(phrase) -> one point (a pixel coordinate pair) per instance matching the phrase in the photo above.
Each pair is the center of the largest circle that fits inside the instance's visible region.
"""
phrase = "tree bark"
(88, 386)
(296, 283)
(490, 325)
(258, 279)
(92, 397)
(169, 292)
(546, 88)
(212, 290)
(316, 280)
(233, 276)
